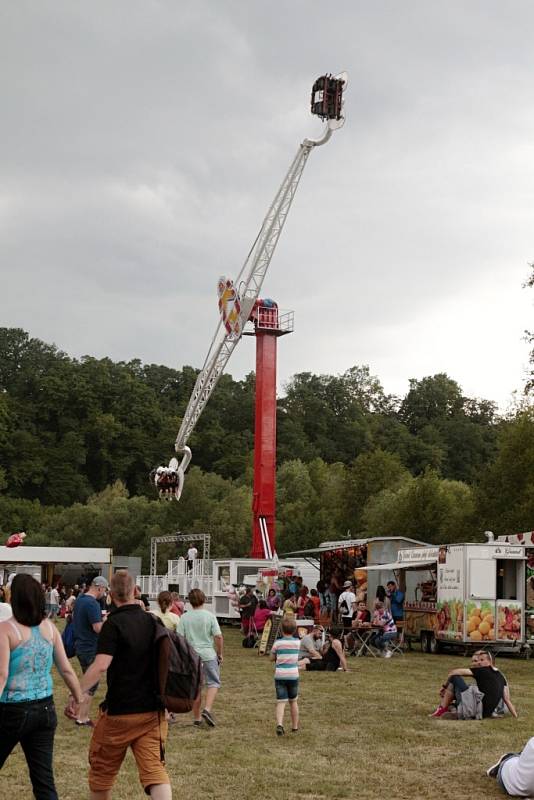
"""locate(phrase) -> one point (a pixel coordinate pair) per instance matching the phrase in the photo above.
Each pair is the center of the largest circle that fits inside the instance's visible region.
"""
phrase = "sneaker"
(280, 730)
(88, 723)
(197, 723)
(492, 771)
(208, 717)
(388, 654)
(439, 712)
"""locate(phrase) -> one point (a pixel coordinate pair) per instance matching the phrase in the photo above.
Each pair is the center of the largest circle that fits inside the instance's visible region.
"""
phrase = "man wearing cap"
(87, 621)
(347, 604)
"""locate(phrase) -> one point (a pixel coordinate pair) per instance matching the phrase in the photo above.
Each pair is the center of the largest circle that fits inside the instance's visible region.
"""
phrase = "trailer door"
(482, 578)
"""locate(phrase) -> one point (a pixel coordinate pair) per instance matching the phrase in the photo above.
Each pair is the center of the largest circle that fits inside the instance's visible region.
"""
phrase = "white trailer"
(230, 574)
(465, 595)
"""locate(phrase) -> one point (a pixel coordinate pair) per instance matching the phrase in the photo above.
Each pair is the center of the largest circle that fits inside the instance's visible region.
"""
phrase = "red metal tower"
(269, 324)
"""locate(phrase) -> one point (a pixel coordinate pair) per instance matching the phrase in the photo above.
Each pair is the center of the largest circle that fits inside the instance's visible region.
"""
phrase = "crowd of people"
(317, 604)
(114, 629)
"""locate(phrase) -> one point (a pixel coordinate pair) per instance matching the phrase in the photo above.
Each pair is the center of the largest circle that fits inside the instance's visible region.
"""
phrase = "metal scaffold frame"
(203, 538)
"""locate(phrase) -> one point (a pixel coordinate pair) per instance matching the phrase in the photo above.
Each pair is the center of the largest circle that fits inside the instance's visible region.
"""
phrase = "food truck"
(465, 595)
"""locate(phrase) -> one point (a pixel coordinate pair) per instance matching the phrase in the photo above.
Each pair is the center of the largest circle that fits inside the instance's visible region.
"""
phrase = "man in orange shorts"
(131, 714)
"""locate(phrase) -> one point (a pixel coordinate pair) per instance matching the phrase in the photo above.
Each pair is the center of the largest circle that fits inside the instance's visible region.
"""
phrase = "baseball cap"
(100, 581)
(347, 584)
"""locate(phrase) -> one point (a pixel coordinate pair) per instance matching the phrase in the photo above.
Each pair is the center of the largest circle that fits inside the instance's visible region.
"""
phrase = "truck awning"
(400, 565)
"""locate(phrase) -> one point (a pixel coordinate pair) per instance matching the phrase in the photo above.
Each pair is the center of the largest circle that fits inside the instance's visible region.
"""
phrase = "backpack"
(67, 637)
(178, 670)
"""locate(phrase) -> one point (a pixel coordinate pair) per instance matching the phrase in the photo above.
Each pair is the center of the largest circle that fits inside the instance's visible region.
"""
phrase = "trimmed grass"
(364, 734)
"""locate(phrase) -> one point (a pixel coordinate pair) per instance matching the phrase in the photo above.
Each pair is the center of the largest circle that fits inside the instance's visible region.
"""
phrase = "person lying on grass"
(489, 680)
(514, 772)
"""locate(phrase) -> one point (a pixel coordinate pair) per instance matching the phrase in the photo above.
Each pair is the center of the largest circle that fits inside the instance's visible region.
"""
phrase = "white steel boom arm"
(248, 283)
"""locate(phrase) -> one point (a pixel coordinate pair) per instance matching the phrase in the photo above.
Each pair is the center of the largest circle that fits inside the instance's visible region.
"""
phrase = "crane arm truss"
(249, 291)
(169, 480)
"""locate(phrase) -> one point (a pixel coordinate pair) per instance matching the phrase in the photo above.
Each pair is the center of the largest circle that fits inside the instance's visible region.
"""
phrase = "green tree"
(505, 495)
(370, 474)
(426, 508)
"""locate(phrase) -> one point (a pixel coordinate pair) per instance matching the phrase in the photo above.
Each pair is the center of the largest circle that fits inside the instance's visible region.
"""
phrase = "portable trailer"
(463, 595)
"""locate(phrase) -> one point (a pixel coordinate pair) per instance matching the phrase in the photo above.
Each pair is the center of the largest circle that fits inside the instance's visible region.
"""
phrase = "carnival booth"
(349, 559)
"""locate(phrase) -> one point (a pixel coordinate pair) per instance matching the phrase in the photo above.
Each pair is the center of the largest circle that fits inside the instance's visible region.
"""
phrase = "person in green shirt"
(201, 629)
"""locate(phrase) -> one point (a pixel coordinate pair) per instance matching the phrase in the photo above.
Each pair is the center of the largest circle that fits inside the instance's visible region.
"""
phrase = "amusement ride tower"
(240, 307)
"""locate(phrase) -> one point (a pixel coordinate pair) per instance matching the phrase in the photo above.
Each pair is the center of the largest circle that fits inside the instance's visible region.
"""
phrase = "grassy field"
(364, 734)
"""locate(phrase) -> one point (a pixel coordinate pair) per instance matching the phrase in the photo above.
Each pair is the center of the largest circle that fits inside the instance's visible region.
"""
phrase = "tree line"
(79, 437)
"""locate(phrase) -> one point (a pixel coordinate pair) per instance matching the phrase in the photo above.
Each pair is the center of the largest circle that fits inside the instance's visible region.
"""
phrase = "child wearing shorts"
(285, 654)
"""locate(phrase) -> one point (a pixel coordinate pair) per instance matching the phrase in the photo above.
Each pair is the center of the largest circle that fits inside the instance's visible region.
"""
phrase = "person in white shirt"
(192, 555)
(514, 772)
(52, 602)
(347, 604)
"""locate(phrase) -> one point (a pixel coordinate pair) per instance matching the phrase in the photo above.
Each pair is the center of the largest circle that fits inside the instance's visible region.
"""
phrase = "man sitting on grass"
(489, 680)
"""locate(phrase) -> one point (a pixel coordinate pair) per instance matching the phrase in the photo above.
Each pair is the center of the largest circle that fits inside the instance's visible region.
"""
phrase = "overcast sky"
(141, 144)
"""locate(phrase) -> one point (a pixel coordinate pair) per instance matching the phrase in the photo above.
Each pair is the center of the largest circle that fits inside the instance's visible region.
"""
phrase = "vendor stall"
(348, 560)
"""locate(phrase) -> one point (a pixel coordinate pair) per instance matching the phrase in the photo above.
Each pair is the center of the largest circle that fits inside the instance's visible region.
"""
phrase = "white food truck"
(464, 595)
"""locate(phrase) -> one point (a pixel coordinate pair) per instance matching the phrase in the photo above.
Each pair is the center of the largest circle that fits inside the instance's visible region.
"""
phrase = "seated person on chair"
(261, 615)
(311, 645)
(490, 681)
(387, 630)
(333, 657)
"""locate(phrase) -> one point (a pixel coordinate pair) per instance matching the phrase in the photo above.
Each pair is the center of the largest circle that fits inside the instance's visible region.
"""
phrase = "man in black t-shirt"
(247, 607)
(489, 680)
(131, 714)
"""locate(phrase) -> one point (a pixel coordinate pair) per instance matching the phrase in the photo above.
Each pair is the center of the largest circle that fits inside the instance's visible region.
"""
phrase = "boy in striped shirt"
(285, 652)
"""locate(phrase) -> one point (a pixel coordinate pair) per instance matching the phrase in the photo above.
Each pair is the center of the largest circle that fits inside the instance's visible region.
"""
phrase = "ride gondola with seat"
(327, 96)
